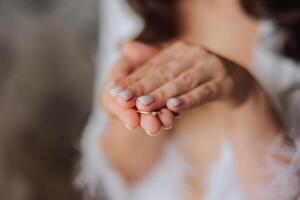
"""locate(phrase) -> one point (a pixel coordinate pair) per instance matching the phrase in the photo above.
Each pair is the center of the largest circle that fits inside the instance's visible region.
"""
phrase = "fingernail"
(151, 134)
(168, 128)
(145, 100)
(116, 90)
(129, 127)
(174, 102)
(126, 95)
(177, 116)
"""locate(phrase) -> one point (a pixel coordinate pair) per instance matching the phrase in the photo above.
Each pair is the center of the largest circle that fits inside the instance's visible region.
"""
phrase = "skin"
(211, 109)
(204, 39)
(195, 79)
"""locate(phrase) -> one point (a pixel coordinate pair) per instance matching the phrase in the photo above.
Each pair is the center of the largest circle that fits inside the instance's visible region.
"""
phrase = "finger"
(184, 83)
(197, 97)
(138, 53)
(134, 55)
(150, 124)
(120, 69)
(155, 62)
(166, 67)
(167, 119)
(146, 85)
(116, 80)
(117, 87)
(159, 76)
(136, 76)
(129, 117)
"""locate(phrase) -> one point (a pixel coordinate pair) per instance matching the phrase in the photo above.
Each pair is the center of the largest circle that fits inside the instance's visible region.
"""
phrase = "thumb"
(138, 53)
(133, 54)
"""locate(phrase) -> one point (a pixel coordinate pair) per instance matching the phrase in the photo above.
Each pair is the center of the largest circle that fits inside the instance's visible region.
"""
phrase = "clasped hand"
(171, 80)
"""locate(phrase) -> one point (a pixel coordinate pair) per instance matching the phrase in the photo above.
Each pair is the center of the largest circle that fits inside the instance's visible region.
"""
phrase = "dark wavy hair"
(160, 21)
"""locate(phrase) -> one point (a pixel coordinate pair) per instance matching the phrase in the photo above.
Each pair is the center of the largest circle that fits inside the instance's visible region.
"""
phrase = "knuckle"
(137, 89)
(223, 80)
(174, 64)
(188, 80)
(154, 62)
(133, 80)
(160, 95)
(220, 75)
(166, 73)
(210, 91)
(202, 70)
(125, 82)
(191, 99)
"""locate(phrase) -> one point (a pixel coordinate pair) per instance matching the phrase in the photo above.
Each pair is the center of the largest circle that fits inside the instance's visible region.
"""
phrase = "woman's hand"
(134, 55)
(180, 78)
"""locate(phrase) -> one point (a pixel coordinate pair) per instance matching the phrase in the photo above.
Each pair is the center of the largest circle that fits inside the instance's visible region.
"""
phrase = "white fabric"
(276, 73)
(280, 77)
(222, 182)
(164, 181)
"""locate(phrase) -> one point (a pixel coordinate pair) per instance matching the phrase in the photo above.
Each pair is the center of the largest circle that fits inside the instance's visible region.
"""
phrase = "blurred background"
(47, 50)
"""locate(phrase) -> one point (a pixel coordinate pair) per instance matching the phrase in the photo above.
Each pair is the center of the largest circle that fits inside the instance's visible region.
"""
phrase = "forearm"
(131, 152)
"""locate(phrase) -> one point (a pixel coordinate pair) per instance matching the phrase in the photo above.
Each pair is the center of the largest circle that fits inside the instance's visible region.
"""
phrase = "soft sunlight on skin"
(181, 77)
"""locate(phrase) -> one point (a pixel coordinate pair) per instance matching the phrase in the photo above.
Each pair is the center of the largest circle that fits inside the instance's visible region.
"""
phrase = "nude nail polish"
(168, 128)
(174, 102)
(126, 95)
(129, 127)
(145, 100)
(178, 116)
(116, 90)
(151, 134)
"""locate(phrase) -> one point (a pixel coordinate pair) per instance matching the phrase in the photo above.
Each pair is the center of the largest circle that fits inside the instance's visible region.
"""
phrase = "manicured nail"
(151, 134)
(174, 102)
(126, 95)
(129, 127)
(168, 128)
(178, 116)
(145, 100)
(116, 90)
